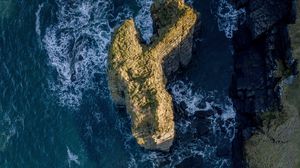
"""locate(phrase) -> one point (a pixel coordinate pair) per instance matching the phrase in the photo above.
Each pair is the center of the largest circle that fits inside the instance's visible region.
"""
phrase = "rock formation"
(137, 73)
(277, 143)
(262, 61)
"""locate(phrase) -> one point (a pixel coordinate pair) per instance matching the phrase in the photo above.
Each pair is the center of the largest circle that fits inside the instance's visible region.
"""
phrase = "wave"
(183, 93)
(37, 19)
(221, 129)
(144, 20)
(190, 2)
(228, 17)
(72, 158)
(222, 120)
(77, 47)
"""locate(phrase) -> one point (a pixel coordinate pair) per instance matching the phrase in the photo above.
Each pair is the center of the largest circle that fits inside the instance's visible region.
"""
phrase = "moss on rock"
(137, 72)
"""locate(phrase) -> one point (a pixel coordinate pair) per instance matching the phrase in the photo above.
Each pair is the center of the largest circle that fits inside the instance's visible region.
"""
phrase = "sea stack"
(138, 73)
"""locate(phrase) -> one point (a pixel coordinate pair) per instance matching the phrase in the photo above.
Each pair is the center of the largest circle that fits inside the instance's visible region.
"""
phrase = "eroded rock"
(262, 61)
(137, 73)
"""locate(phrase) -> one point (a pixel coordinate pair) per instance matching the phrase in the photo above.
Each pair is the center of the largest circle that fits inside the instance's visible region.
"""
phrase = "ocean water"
(55, 108)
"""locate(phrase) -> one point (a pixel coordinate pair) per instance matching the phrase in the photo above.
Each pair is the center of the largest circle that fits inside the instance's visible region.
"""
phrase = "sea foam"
(221, 128)
(72, 157)
(77, 47)
(228, 17)
(37, 19)
(144, 20)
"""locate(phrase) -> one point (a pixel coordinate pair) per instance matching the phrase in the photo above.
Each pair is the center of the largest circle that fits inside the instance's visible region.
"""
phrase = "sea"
(55, 106)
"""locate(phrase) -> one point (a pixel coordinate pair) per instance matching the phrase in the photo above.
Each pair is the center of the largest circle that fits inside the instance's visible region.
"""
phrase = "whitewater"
(77, 48)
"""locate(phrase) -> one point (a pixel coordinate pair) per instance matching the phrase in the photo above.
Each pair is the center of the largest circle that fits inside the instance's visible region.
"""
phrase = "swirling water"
(55, 109)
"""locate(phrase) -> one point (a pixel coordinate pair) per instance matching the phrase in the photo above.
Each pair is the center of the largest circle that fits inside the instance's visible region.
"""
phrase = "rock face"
(263, 55)
(137, 73)
(277, 144)
(262, 61)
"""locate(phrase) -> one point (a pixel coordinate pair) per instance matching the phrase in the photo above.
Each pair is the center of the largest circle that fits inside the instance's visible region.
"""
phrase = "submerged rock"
(137, 73)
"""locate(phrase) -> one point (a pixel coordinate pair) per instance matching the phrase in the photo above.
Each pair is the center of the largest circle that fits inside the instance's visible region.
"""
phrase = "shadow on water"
(97, 123)
(209, 71)
(212, 62)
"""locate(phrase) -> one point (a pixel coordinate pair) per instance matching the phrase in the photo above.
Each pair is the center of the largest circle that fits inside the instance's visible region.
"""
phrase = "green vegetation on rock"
(277, 144)
(137, 72)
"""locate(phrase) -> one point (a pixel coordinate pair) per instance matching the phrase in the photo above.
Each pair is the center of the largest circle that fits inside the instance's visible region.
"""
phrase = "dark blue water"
(55, 108)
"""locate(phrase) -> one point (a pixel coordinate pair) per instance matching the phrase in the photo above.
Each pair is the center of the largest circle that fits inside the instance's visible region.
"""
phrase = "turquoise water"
(55, 109)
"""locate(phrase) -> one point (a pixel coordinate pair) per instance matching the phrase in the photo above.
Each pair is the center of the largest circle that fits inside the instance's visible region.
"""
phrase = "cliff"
(137, 73)
(278, 142)
(263, 61)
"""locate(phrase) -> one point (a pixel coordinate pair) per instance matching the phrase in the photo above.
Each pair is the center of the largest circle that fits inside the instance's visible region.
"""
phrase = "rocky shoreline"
(263, 61)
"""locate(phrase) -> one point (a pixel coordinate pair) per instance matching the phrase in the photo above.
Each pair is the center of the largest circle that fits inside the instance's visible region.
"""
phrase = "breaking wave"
(190, 2)
(221, 120)
(220, 126)
(144, 20)
(77, 47)
(228, 17)
(183, 93)
(37, 19)
(72, 158)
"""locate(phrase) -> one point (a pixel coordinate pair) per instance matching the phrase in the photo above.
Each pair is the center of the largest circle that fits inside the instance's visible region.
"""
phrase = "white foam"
(190, 2)
(194, 147)
(143, 20)
(183, 93)
(72, 157)
(37, 19)
(225, 120)
(77, 48)
(228, 17)
(184, 126)
(132, 162)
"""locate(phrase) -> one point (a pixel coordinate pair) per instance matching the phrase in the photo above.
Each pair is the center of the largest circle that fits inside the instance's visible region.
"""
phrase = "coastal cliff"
(278, 142)
(267, 112)
(137, 73)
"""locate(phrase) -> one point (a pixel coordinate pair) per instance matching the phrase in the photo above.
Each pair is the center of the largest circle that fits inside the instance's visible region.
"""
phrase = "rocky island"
(138, 73)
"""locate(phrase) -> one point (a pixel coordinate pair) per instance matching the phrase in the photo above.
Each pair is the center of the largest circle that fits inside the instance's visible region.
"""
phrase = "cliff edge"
(137, 73)
(277, 144)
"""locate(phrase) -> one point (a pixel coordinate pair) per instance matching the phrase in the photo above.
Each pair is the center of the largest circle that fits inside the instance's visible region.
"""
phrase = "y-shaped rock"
(137, 72)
